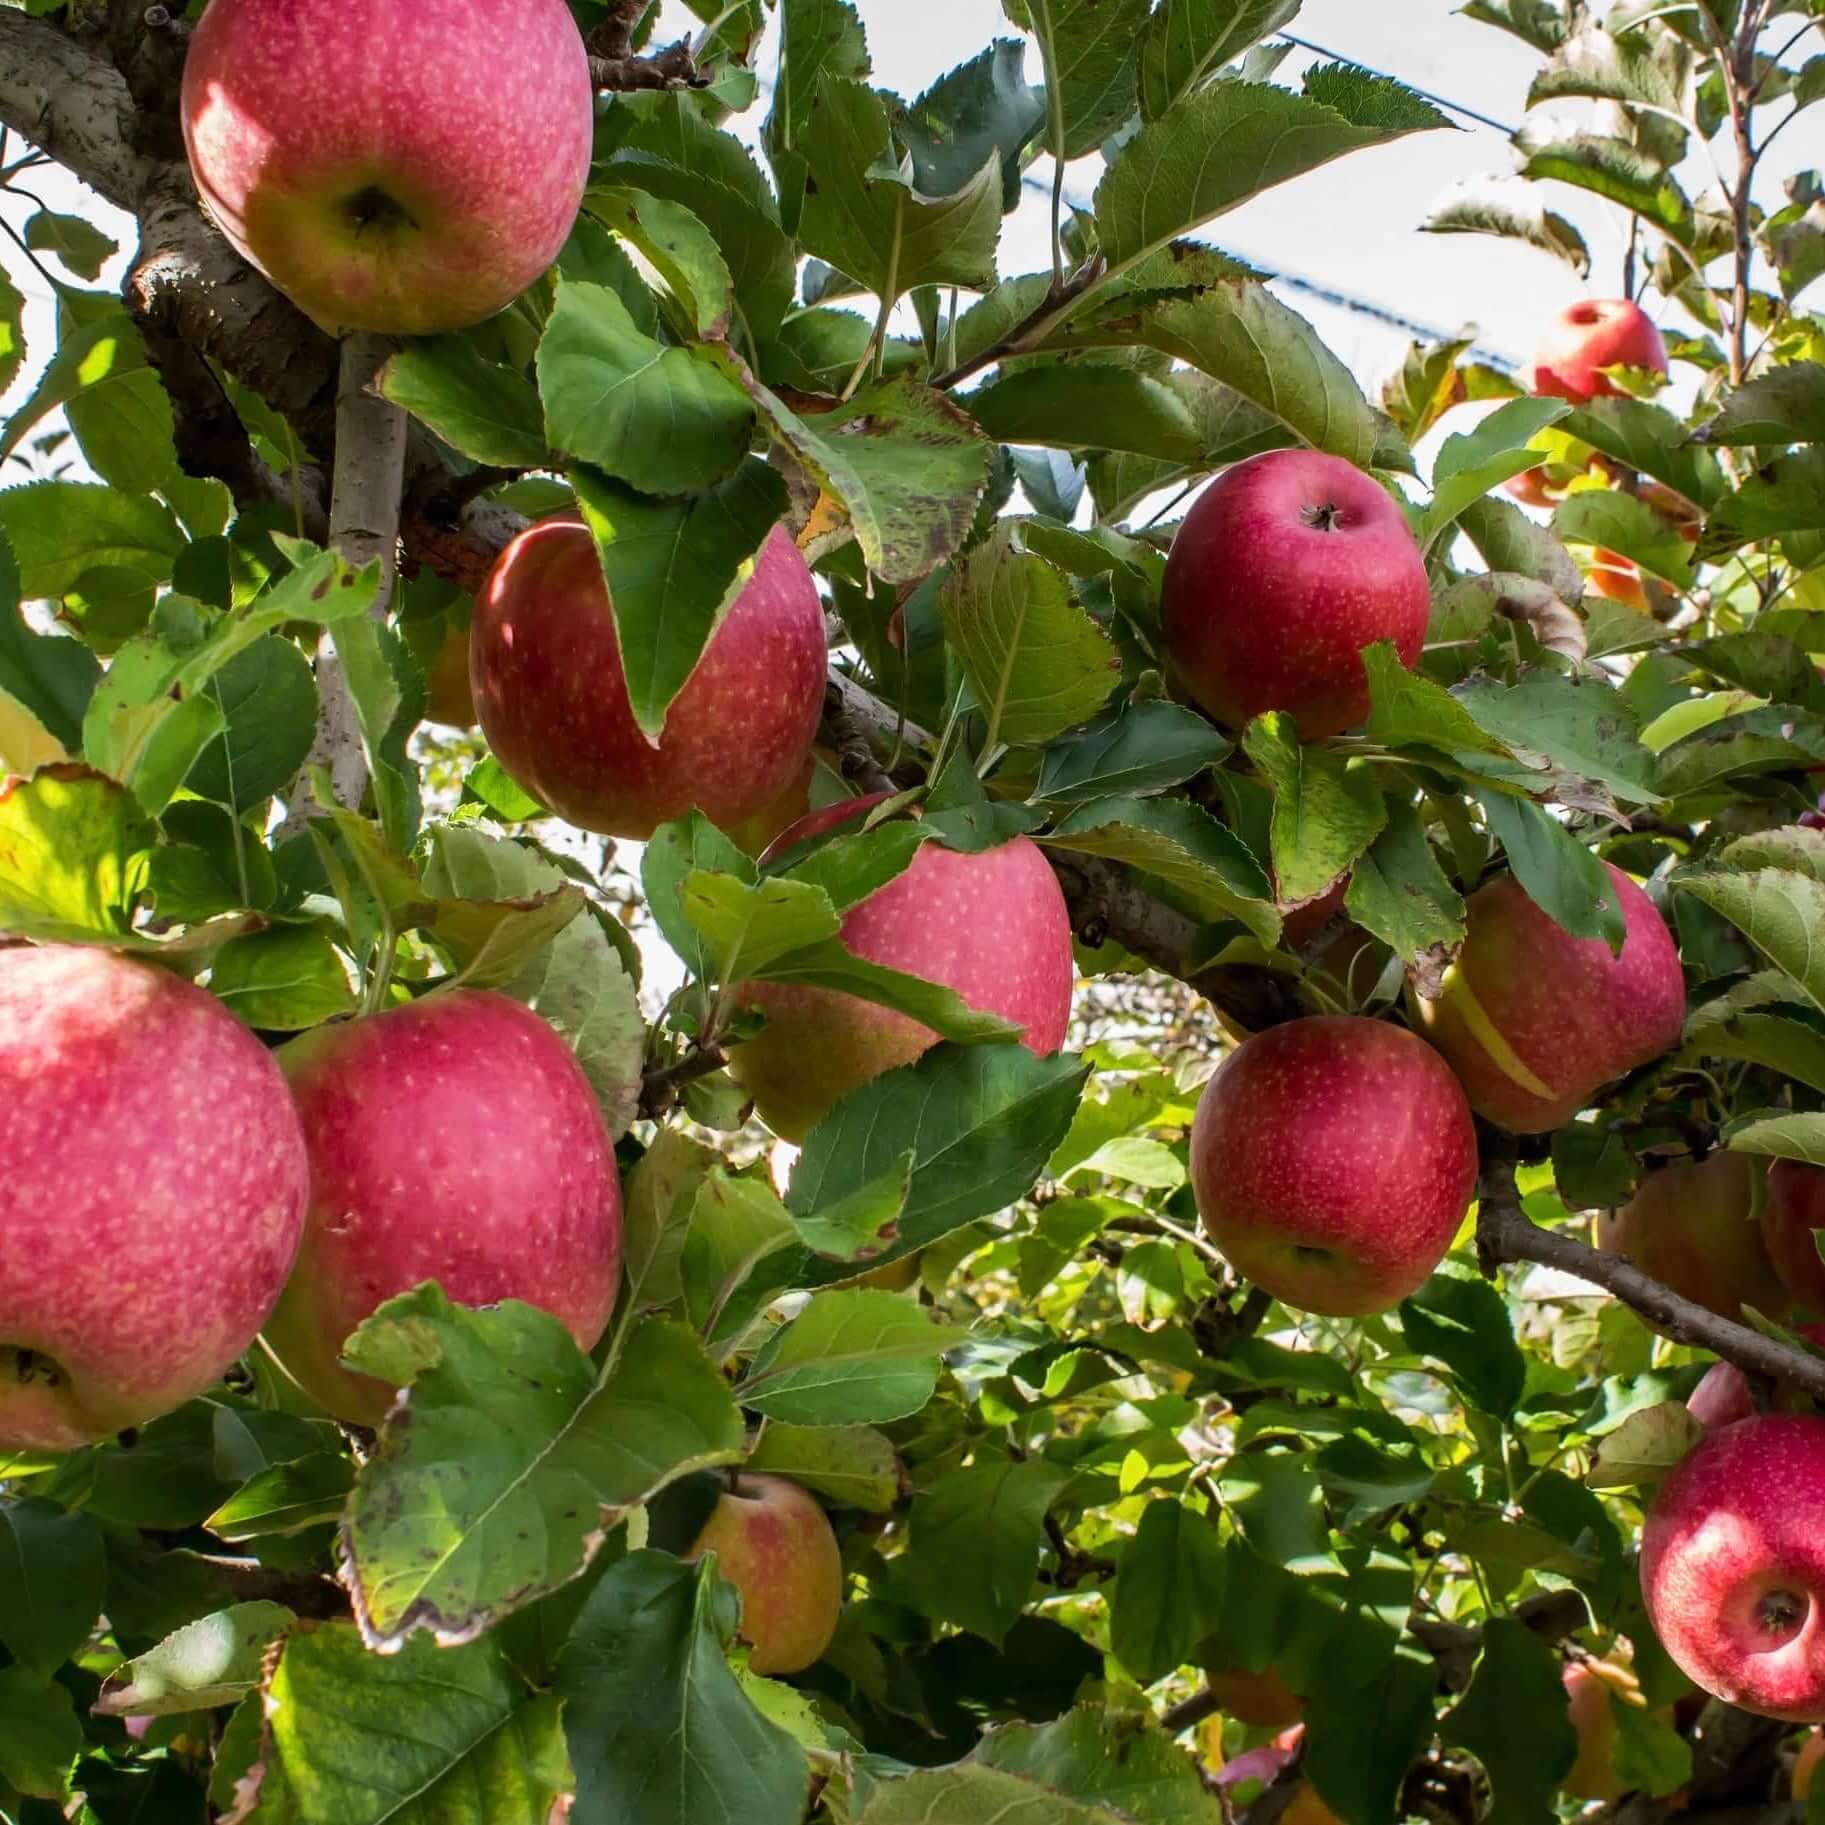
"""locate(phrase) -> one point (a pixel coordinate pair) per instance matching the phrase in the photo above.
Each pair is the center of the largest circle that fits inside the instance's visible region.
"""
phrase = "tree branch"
(71, 104)
(659, 1087)
(1505, 1233)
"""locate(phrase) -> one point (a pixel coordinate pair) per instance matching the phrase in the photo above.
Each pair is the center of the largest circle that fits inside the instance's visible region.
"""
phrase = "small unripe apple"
(1694, 1228)
(402, 166)
(1593, 334)
(1793, 1210)
(152, 1197)
(545, 662)
(774, 1544)
(991, 926)
(454, 1139)
(1535, 1021)
(1286, 567)
(1333, 1159)
(1733, 1565)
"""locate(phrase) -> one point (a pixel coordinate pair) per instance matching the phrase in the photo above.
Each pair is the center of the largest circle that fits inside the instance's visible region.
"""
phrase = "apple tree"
(780, 1320)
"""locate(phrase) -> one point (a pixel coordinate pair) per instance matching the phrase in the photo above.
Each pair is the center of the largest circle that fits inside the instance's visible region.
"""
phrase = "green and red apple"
(1593, 334)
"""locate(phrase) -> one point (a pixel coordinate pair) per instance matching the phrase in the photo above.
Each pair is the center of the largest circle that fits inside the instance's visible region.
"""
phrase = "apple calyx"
(375, 207)
(1323, 516)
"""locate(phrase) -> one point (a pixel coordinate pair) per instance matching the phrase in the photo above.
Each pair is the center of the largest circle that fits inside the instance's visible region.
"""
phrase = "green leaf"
(1079, 405)
(747, 925)
(1624, 524)
(1132, 748)
(1095, 1755)
(1407, 709)
(283, 980)
(864, 215)
(52, 679)
(12, 332)
(678, 246)
(213, 1661)
(1217, 148)
(267, 696)
(1400, 894)
(1169, 1596)
(660, 1730)
(1205, 864)
(1640, 1452)
(1649, 1755)
(907, 465)
(674, 569)
(285, 1499)
(1778, 911)
(1089, 52)
(488, 412)
(676, 853)
(1327, 810)
(1513, 209)
(1365, 1476)
(1036, 661)
(1509, 540)
(849, 1358)
(832, 965)
(1783, 1137)
(1464, 1323)
(972, 1795)
(1562, 877)
(854, 1466)
(77, 242)
(982, 108)
(979, 1121)
(1786, 496)
(1584, 728)
(1518, 1675)
(72, 857)
(39, 1733)
(1359, 1747)
(1786, 405)
(52, 1578)
(60, 531)
(550, 1453)
(975, 1542)
(579, 982)
(816, 36)
(1610, 168)
(425, 1736)
(1471, 463)
(1187, 41)
(1649, 438)
(656, 418)
(737, 1227)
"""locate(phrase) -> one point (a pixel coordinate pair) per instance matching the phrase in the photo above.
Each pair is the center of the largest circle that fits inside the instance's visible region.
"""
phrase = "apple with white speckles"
(153, 1196)
(775, 1545)
(454, 1139)
(1694, 1227)
(1535, 1021)
(1724, 1396)
(1333, 1160)
(1590, 335)
(401, 166)
(1286, 567)
(545, 663)
(1733, 1565)
(992, 926)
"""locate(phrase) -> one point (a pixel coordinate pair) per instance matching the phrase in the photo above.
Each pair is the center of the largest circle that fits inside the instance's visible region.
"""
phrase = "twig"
(1032, 329)
(844, 731)
(1505, 1233)
(659, 1087)
(1190, 1711)
(615, 65)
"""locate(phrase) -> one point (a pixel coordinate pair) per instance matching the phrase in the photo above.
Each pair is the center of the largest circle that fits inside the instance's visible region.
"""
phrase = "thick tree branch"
(1505, 1233)
(614, 64)
(71, 104)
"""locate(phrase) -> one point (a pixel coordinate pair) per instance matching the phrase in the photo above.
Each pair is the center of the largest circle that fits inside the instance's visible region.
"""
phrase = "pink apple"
(1733, 1566)
(1593, 334)
(1723, 1396)
(1287, 566)
(454, 1139)
(546, 666)
(152, 1199)
(1333, 1159)
(1532, 488)
(1794, 1208)
(403, 166)
(1535, 1021)
(1693, 1228)
(774, 1544)
(991, 926)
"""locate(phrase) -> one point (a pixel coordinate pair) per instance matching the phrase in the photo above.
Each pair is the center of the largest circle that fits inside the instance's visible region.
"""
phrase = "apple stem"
(365, 490)
(1505, 1233)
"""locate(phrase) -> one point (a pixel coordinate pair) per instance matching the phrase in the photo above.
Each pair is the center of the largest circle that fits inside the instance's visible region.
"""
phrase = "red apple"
(1333, 1160)
(1593, 334)
(1671, 505)
(1723, 1397)
(1693, 1228)
(454, 1139)
(403, 166)
(1535, 1021)
(1794, 1208)
(774, 1544)
(1806, 1763)
(153, 1194)
(546, 666)
(991, 926)
(1531, 488)
(1288, 565)
(1614, 577)
(1733, 1566)
(1262, 1700)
